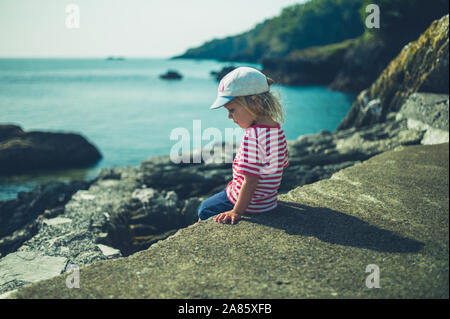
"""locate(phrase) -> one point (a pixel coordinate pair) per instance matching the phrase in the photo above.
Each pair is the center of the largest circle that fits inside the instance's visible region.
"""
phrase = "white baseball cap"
(240, 82)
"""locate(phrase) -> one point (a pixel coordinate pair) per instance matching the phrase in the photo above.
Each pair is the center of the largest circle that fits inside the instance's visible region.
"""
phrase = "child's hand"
(230, 215)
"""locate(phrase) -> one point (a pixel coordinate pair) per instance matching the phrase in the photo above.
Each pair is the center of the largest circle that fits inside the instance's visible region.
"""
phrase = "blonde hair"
(263, 105)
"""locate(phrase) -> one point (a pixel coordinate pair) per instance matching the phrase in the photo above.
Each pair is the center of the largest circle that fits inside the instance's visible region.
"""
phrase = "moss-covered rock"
(422, 65)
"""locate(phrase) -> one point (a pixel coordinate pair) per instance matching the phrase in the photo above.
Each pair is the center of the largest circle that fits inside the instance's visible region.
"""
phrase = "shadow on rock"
(335, 227)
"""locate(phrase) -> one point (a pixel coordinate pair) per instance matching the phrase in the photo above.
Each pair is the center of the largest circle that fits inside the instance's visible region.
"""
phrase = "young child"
(262, 156)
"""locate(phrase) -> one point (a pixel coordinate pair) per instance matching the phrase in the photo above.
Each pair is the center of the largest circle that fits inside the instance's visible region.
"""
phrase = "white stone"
(57, 221)
(417, 125)
(7, 294)
(84, 195)
(109, 183)
(435, 136)
(30, 267)
(109, 251)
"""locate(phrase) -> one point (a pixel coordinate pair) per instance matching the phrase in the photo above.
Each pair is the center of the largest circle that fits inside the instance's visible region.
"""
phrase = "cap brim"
(221, 101)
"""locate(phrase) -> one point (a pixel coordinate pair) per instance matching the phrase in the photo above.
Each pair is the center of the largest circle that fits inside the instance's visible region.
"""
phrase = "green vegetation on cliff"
(313, 23)
(354, 64)
(326, 42)
(404, 20)
(323, 22)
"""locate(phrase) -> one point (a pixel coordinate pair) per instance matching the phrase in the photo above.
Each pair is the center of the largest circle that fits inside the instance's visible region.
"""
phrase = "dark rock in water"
(220, 74)
(10, 131)
(421, 66)
(171, 75)
(113, 58)
(24, 151)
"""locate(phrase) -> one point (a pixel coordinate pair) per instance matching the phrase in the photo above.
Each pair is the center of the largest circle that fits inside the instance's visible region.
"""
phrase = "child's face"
(238, 114)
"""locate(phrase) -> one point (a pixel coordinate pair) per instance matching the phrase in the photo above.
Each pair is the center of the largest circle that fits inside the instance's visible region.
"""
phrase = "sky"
(130, 28)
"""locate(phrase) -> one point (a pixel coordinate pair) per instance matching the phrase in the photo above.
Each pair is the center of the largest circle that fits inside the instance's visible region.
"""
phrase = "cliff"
(298, 26)
(354, 64)
(326, 42)
(421, 66)
(391, 211)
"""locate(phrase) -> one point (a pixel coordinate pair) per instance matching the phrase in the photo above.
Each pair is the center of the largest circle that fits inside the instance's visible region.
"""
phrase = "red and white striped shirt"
(263, 152)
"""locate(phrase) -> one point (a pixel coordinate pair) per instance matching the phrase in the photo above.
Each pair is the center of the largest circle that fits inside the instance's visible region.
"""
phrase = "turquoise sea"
(128, 112)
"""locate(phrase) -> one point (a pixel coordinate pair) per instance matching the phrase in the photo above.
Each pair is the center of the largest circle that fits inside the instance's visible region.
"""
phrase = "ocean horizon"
(125, 109)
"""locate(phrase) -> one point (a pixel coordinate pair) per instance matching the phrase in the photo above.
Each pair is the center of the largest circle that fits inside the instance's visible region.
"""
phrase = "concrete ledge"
(391, 210)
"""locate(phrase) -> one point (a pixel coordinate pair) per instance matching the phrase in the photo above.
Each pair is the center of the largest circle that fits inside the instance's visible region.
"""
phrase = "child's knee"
(204, 213)
(200, 212)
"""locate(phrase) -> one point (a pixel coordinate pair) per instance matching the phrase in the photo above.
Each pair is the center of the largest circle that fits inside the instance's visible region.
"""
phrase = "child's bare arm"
(246, 193)
(245, 196)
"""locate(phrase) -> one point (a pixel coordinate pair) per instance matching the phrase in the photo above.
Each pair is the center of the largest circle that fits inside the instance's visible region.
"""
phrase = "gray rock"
(19, 217)
(57, 221)
(23, 267)
(435, 136)
(427, 112)
(109, 251)
(429, 108)
(90, 218)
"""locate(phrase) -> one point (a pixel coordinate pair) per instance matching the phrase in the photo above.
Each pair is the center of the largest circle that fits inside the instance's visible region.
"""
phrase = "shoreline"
(128, 209)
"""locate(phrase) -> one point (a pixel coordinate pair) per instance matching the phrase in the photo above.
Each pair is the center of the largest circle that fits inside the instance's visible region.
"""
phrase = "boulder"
(24, 151)
(429, 108)
(220, 74)
(171, 75)
(132, 208)
(427, 112)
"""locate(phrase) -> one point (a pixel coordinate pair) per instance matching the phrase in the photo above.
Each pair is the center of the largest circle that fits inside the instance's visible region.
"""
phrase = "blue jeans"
(215, 205)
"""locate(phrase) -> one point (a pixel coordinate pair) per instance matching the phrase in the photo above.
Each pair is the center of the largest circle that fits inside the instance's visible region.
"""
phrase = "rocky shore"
(20, 218)
(128, 209)
(389, 212)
